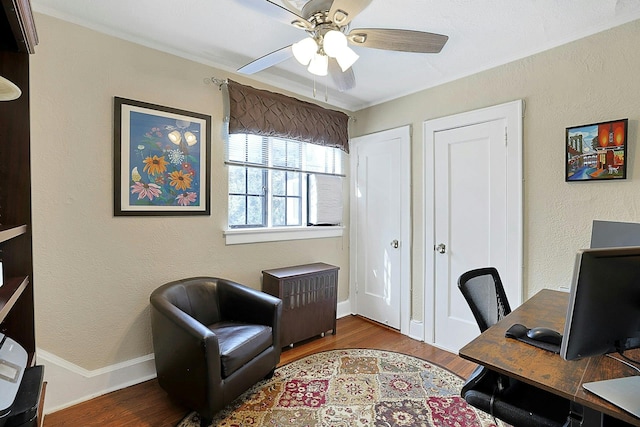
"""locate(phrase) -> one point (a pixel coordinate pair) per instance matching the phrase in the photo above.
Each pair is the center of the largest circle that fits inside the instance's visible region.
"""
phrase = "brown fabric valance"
(261, 112)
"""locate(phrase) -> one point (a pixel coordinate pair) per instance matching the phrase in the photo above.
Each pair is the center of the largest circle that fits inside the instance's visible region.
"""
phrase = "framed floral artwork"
(161, 160)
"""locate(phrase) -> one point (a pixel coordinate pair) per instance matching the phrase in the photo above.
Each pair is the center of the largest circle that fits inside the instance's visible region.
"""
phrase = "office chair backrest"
(482, 288)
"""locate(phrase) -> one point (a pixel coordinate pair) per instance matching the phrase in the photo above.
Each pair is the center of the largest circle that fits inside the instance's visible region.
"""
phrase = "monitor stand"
(622, 392)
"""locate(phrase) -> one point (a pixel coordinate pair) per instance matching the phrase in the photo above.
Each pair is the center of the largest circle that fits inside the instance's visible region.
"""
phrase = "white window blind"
(282, 154)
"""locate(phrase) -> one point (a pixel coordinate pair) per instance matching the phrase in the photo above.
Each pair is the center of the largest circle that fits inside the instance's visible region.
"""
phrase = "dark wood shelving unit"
(10, 292)
(18, 39)
(9, 232)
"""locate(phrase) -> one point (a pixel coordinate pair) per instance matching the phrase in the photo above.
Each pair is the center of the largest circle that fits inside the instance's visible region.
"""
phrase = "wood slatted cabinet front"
(309, 299)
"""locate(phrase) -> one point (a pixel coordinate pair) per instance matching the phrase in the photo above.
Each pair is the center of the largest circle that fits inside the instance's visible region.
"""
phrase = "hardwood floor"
(146, 404)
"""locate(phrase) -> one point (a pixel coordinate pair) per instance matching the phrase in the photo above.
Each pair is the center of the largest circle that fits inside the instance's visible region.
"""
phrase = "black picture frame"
(597, 151)
(162, 160)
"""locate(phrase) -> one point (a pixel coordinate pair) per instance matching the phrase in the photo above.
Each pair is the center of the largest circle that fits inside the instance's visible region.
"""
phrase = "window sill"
(258, 235)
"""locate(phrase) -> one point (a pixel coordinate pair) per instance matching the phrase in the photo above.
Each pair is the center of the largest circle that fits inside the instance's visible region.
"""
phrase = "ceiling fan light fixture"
(346, 58)
(304, 50)
(319, 65)
(334, 43)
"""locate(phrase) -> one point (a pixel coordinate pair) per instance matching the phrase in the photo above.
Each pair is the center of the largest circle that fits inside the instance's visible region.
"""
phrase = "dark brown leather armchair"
(213, 339)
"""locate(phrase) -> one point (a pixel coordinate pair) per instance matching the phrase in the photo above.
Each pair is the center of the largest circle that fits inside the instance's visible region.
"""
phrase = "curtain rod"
(216, 81)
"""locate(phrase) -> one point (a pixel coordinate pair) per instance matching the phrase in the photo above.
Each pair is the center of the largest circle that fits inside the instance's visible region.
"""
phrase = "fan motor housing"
(317, 11)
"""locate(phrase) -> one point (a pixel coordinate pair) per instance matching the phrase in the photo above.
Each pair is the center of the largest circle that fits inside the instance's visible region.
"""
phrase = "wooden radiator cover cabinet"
(309, 299)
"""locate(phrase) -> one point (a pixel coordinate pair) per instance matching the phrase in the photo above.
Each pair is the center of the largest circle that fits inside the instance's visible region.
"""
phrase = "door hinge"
(506, 138)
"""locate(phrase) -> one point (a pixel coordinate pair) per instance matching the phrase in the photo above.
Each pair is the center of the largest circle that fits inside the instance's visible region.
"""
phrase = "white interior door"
(470, 216)
(477, 218)
(380, 226)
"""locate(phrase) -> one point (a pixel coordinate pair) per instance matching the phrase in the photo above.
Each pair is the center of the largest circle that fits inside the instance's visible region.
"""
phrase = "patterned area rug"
(347, 388)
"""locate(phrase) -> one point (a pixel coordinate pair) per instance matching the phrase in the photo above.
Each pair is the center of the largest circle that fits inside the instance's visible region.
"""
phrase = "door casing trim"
(512, 113)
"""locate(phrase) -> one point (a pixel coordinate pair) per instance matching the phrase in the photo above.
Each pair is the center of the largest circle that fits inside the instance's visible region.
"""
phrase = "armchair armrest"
(186, 352)
(239, 302)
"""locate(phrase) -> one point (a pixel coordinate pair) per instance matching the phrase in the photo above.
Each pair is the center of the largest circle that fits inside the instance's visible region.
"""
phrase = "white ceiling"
(227, 34)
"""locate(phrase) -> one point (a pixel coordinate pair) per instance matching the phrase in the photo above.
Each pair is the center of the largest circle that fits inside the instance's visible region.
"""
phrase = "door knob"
(442, 248)
(395, 244)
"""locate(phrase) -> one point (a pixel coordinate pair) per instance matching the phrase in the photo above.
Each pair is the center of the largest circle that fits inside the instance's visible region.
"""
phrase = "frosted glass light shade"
(319, 65)
(346, 58)
(334, 42)
(304, 50)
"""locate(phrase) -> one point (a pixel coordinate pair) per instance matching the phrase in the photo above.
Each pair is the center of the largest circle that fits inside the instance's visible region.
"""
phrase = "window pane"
(278, 211)
(293, 211)
(237, 179)
(256, 184)
(293, 184)
(237, 211)
(255, 213)
(278, 183)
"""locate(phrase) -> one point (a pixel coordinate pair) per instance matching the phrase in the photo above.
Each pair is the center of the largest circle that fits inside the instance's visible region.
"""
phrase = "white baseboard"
(344, 309)
(69, 384)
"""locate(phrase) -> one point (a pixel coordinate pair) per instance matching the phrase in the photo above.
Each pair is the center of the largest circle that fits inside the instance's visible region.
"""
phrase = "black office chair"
(505, 398)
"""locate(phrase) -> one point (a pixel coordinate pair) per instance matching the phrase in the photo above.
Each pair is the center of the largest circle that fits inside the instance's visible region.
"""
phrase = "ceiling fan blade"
(343, 11)
(401, 40)
(290, 16)
(266, 61)
(344, 80)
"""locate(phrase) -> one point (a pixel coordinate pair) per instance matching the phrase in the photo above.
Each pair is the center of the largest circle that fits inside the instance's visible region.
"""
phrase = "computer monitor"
(604, 305)
(614, 234)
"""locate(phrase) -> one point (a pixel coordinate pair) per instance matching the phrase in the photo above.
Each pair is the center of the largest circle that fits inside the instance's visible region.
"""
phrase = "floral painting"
(597, 151)
(161, 160)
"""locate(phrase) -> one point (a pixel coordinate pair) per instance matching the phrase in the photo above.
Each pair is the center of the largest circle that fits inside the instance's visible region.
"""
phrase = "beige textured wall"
(590, 80)
(93, 272)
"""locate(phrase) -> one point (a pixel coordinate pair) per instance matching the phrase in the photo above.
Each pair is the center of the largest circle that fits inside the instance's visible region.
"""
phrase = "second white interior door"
(380, 209)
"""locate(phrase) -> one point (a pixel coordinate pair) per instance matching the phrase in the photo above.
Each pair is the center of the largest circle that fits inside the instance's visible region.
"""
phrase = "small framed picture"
(597, 151)
(161, 160)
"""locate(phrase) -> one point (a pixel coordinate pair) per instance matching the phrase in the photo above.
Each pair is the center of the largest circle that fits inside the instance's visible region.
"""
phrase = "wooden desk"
(544, 369)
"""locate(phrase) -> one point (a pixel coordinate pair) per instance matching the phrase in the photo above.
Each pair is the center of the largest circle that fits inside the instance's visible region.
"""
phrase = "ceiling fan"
(326, 51)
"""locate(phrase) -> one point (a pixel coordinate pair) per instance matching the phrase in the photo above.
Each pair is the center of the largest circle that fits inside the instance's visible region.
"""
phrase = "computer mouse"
(545, 335)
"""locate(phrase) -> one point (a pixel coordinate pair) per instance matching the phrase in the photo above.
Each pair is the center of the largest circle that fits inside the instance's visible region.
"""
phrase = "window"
(268, 179)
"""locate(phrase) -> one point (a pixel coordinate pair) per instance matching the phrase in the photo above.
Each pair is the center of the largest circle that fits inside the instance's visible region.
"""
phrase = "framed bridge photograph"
(597, 151)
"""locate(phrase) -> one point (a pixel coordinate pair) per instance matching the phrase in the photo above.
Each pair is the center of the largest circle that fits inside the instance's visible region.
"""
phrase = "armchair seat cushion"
(240, 343)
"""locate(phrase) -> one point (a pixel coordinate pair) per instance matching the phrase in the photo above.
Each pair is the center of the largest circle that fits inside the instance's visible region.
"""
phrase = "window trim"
(238, 236)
